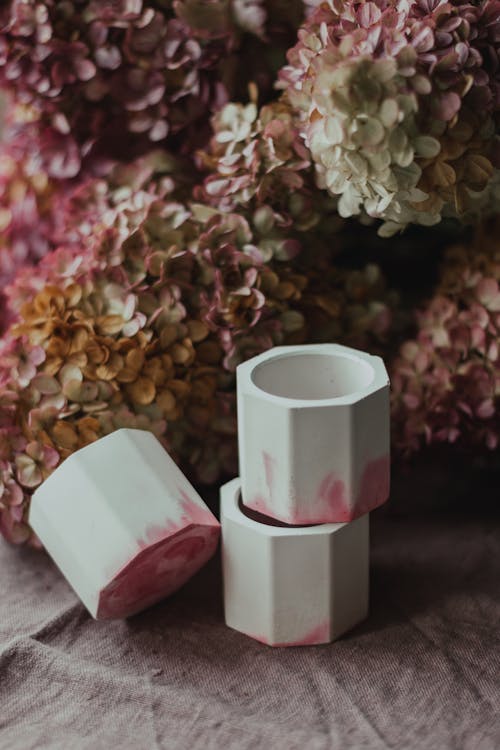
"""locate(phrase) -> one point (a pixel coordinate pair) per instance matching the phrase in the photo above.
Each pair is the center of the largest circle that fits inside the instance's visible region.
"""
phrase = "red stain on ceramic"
(319, 634)
(156, 533)
(187, 549)
(332, 498)
(193, 512)
(332, 505)
(259, 503)
(374, 486)
(321, 512)
(315, 637)
(269, 471)
(158, 571)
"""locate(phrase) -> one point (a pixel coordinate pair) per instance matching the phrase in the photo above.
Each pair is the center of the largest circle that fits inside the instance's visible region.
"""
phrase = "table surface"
(421, 672)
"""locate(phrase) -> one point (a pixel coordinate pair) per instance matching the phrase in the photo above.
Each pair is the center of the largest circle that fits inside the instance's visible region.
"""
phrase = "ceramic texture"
(123, 523)
(313, 430)
(292, 586)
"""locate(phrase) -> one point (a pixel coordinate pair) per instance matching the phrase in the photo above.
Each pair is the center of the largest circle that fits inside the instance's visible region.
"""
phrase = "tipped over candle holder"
(123, 524)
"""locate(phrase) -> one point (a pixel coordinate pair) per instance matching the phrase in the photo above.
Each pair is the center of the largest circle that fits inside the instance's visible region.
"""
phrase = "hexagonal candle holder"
(291, 585)
(123, 523)
(313, 430)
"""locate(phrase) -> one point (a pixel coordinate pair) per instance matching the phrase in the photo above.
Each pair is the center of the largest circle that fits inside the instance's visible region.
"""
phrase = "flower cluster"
(256, 159)
(446, 381)
(28, 220)
(37, 212)
(398, 103)
(112, 77)
(145, 327)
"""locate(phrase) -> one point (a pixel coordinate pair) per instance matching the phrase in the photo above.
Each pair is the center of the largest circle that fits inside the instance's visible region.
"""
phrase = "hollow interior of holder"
(254, 515)
(312, 376)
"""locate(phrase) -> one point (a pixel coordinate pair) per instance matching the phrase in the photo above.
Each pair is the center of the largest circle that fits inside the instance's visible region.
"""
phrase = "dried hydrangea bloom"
(248, 148)
(399, 105)
(145, 327)
(27, 219)
(446, 381)
(112, 78)
(102, 72)
(38, 213)
(25, 213)
(257, 166)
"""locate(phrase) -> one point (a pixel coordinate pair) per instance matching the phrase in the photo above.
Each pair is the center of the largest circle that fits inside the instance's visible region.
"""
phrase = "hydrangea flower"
(27, 218)
(257, 165)
(112, 78)
(446, 381)
(144, 327)
(257, 155)
(38, 212)
(398, 104)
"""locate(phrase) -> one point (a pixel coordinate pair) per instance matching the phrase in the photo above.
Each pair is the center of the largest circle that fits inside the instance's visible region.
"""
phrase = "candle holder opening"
(312, 376)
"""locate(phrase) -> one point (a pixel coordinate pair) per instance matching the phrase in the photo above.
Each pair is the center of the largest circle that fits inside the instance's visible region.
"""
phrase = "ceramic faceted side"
(291, 586)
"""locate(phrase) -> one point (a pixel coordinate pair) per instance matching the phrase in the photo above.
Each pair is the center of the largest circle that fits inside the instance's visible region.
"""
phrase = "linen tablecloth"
(421, 672)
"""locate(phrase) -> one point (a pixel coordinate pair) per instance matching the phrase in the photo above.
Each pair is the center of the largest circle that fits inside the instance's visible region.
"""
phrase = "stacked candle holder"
(314, 444)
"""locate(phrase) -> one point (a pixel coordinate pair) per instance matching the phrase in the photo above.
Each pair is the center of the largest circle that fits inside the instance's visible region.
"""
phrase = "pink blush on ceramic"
(331, 501)
(157, 571)
(315, 637)
(375, 485)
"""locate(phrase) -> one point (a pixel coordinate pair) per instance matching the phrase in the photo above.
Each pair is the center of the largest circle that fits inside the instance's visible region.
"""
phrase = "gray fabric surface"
(421, 672)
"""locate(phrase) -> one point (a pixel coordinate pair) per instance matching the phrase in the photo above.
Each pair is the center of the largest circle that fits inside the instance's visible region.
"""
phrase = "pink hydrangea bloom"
(110, 79)
(27, 219)
(446, 381)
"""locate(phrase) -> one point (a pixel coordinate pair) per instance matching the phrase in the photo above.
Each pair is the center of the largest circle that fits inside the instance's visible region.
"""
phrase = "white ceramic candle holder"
(313, 430)
(291, 586)
(123, 524)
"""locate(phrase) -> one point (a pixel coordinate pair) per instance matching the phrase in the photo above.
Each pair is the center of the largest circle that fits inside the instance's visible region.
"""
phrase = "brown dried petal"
(135, 359)
(198, 330)
(166, 400)
(478, 171)
(65, 436)
(180, 388)
(79, 339)
(126, 375)
(97, 353)
(182, 354)
(168, 335)
(109, 370)
(89, 429)
(443, 175)
(109, 325)
(142, 391)
(153, 369)
(284, 290)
